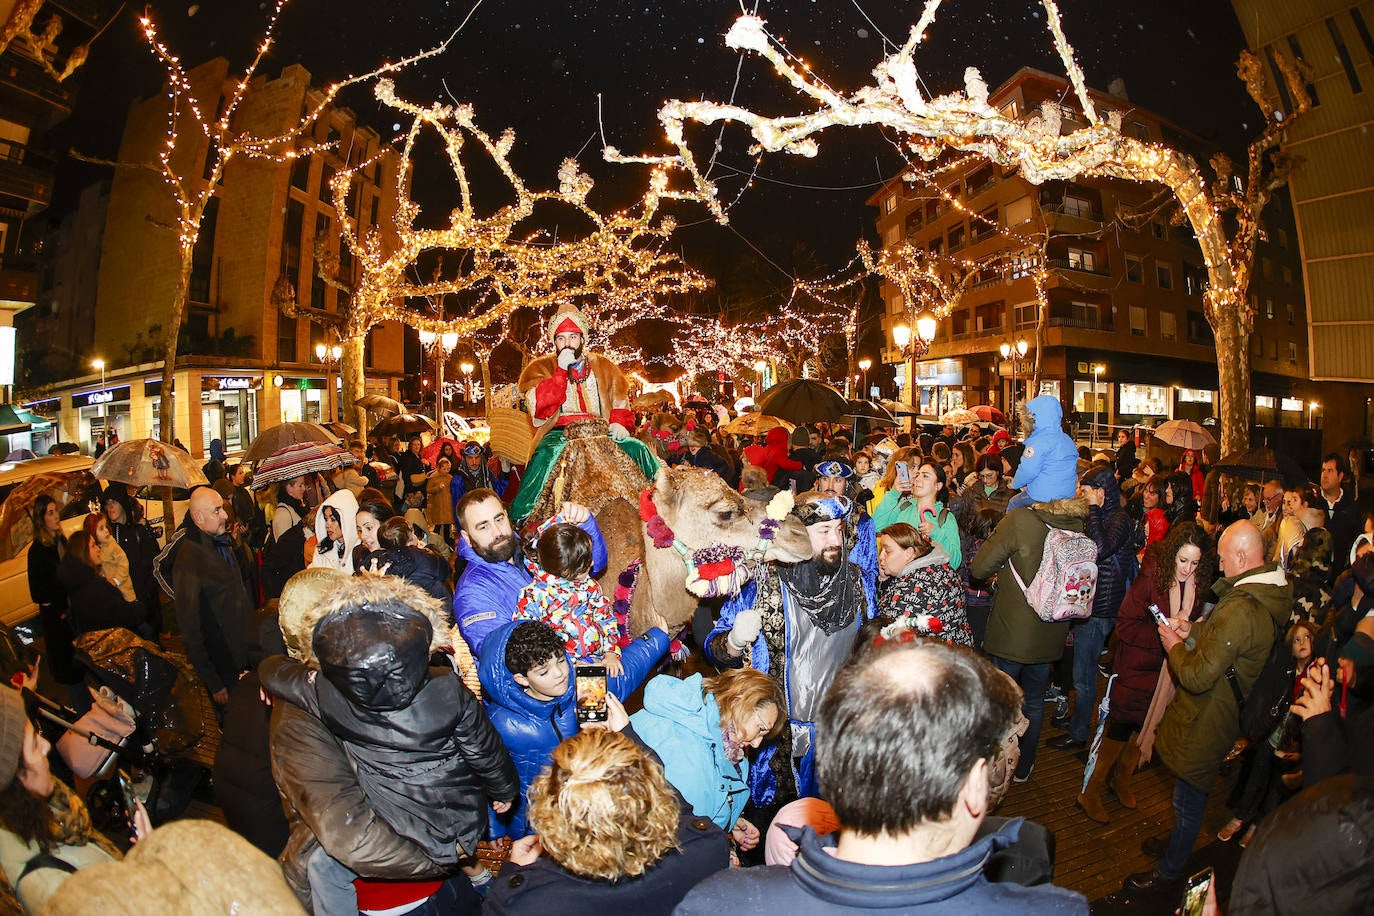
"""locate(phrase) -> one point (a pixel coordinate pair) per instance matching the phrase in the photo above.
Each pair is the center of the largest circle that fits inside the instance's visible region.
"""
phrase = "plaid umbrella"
(149, 463)
(300, 459)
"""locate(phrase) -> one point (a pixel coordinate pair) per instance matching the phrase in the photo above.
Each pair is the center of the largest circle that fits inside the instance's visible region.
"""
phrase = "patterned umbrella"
(299, 459)
(1184, 434)
(149, 463)
(755, 424)
(1102, 709)
(960, 415)
(275, 438)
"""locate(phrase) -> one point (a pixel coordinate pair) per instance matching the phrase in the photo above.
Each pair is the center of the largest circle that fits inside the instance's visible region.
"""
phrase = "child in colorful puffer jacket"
(564, 596)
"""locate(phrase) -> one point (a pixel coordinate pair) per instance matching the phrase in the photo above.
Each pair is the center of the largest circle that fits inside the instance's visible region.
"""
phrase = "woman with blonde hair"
(701, 728)
(614, 836)
(910, 455)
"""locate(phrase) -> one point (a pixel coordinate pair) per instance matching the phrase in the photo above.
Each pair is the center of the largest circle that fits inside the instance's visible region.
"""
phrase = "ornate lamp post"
(329, 356)
(1013, 352)
(913, 348)
(440, 344)
(1098, 369)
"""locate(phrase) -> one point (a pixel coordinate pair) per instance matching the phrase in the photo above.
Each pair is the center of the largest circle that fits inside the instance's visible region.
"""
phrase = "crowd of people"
(395, 659)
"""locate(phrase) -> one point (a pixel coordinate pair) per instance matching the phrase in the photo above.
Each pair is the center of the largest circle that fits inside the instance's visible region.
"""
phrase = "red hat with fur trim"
(569, 319)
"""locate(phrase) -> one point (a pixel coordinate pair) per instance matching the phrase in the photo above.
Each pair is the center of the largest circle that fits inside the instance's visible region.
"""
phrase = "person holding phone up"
(917, 499)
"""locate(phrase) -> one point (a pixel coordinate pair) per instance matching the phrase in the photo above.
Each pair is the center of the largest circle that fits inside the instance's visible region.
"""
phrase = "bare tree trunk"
(1233, 383)
(351, 375)
(166, 412)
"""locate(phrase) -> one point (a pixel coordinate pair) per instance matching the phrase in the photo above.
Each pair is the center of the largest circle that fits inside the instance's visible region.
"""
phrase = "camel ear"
(665, 492)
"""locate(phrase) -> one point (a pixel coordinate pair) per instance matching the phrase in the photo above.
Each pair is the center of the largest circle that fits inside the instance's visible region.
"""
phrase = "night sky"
(539, 67)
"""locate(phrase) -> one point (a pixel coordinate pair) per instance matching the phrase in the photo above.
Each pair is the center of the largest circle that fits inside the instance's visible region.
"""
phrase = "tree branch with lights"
(497, 266)
(1038, 148)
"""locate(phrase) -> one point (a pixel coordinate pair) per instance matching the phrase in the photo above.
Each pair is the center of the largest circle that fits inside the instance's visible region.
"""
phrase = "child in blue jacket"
(531, 695)
(1049, 464)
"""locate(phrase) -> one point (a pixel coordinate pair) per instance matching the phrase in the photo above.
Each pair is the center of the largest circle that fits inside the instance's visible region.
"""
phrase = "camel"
(696, 503)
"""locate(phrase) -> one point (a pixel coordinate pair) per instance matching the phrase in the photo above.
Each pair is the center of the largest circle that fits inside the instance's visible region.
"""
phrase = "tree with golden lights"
(202, 140)
(496, 263)
(1224, 214)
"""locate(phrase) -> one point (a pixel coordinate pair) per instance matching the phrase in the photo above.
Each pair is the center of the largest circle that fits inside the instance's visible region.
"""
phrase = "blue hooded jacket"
(1049, 465)
(532, 728)
(485, 595)
(683, 728)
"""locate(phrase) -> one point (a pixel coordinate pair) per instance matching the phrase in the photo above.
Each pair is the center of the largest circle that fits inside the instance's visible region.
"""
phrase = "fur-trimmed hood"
(313, 594)
(1073, 507)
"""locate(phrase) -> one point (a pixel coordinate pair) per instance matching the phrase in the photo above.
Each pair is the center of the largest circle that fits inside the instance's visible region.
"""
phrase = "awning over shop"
(11, 423)
(38, 423)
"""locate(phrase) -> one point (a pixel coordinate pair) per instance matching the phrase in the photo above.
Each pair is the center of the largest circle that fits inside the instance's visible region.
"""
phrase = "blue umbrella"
(1102, 709)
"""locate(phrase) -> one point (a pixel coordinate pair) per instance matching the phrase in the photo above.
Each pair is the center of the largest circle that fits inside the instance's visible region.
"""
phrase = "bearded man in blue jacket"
(485, 595)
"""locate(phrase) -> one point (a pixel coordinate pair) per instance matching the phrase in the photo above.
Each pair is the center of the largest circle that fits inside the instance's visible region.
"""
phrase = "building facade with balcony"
(1332, 191)
(1124, 289)
(245, 363)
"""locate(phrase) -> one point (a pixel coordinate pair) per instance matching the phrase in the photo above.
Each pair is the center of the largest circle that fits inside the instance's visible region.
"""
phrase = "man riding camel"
(568, 386)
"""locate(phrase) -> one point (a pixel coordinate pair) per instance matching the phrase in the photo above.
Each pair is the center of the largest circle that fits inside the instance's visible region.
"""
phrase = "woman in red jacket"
(772, 455)
(1176, 578)
(1190, 463)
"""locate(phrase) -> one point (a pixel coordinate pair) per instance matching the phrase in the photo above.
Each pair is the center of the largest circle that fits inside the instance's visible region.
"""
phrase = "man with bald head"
(1202, 722)
(907, 736)
(214, 609)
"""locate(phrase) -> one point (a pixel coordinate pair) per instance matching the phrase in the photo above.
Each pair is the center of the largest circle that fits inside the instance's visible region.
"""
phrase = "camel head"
(703, 510)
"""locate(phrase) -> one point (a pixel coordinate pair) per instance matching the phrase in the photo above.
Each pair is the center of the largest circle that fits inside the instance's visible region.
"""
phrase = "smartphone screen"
(1195, 893)
(591, 693)
(903, 476)
(130, 799)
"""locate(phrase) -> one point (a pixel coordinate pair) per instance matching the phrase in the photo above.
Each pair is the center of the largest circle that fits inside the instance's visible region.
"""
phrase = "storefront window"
(299, 406)
(230, 416)
(1144, 400)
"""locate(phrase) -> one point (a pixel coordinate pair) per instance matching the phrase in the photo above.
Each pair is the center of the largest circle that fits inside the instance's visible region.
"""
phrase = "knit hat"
(801, 437)
(569, 319)
(13, 716)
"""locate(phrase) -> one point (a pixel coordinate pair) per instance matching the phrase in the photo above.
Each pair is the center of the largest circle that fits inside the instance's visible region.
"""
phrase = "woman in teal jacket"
(700, 729)
(922, 508)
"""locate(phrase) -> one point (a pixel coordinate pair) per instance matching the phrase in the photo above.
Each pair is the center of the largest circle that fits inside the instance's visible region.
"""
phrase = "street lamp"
(467, 368)
(864, 365)
(1098, 369)
(760, 367)
(1013, 351)
(328, 356)
(99, 364)
(913, 348)
(441, 343)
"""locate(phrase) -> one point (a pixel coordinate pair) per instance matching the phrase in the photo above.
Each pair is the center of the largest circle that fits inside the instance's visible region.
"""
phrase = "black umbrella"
(804, 400)
(1260, 464)
(64, 448)
(876, 414)
(404, 424)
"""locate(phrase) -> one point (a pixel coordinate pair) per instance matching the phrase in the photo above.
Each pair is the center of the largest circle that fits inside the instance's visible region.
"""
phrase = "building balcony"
(1101, 323)
(18, 284)
(25, 82)
(25, 175)
(1077, 267)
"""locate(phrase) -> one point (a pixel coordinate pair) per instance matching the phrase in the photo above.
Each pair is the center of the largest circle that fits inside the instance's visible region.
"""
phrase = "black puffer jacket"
(416, 565)
(1312, 850)
(426, 754)
(1113, 531)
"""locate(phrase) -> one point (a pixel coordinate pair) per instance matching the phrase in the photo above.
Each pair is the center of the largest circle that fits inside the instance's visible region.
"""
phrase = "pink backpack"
(1063, 586)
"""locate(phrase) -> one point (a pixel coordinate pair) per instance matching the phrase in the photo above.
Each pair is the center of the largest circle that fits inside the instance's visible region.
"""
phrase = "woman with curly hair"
(614, 836)
(1176, 579)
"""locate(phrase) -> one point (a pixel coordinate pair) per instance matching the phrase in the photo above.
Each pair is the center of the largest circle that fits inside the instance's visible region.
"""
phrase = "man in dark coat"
(214, 610)
(1112, 530)
(1202, 721)
(909, 841)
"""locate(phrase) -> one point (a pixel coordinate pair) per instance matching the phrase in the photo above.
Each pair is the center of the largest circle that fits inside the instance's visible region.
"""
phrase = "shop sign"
(226, 383)
(94, 398)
